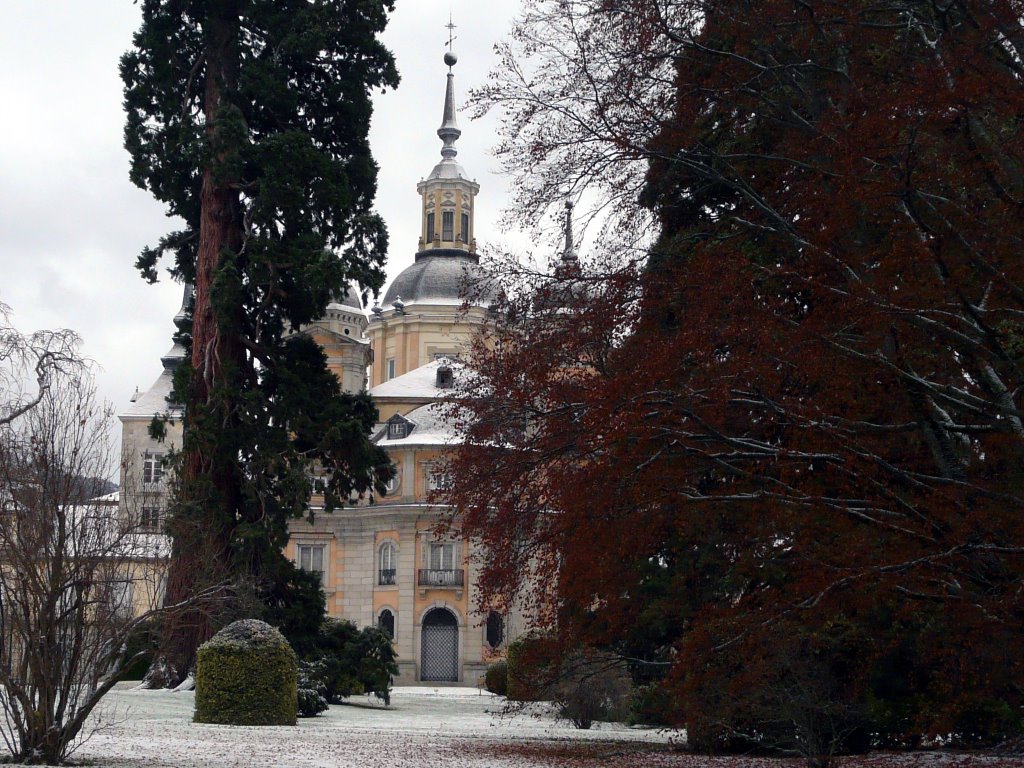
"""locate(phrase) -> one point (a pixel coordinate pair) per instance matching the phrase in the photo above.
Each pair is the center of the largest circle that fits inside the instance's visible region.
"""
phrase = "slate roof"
(444, 277)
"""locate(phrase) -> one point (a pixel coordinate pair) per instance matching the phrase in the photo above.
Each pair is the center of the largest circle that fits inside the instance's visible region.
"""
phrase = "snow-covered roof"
(154, 400)
(419, 383)
(431, 426)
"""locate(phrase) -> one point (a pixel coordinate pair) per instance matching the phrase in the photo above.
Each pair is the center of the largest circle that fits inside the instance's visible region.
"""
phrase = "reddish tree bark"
(207, 492)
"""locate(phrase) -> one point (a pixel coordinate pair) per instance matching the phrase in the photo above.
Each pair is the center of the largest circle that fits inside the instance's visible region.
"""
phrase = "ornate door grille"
(440, 647)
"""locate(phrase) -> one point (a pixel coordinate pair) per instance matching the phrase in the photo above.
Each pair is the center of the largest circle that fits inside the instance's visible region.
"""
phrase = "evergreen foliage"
(246, 675)
(249, 120)
(312, 694)
(496, 678)
(293, 601)
(355, 661)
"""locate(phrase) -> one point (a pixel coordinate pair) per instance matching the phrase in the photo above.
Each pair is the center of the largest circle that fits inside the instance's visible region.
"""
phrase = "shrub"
(592, 686)
(355, 660)
(246, 675)
(531, 668)
(650, 704)
(312, 699)
(496, 678)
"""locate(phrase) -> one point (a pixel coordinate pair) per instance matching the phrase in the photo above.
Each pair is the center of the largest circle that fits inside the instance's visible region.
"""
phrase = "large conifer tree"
(249, 119)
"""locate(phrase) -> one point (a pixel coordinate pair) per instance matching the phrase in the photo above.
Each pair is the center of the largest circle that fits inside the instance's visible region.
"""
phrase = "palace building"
(383, 563)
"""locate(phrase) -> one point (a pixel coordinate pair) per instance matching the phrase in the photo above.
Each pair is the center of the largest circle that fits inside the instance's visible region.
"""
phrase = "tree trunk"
(208, 492)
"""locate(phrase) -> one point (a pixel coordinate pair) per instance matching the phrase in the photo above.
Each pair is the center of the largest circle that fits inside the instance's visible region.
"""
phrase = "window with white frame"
(439, 481)
(152, 468)
(310, 557)
(448, 226)
(442, 556)
(390, 368)
(397, 430)
(388, 564)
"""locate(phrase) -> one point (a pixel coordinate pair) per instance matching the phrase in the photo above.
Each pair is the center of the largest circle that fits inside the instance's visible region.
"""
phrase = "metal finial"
(449, 131)
(569, 252)
(451, 36)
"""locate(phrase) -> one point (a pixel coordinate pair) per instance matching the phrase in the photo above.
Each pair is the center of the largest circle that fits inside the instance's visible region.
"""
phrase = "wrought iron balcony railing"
(449, 577)
(386, 577)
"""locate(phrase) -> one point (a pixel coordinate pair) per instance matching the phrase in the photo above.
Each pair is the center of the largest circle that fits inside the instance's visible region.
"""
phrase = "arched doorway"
(439, 651)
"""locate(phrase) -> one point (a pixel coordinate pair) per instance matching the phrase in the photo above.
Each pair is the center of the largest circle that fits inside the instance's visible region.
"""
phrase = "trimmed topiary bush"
(496, 678)
(246, 675)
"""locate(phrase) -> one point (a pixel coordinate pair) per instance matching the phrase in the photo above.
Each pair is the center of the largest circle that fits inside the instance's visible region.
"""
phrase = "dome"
(350, 300)
(447, 169)
(441, 279)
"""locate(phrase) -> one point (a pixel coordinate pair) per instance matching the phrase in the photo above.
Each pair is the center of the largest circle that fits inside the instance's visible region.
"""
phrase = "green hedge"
(532, 667)
(496, 678)
(246, 675)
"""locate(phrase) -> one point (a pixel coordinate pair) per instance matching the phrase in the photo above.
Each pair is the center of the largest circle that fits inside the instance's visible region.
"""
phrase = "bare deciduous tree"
(77, 576)
(28, 364)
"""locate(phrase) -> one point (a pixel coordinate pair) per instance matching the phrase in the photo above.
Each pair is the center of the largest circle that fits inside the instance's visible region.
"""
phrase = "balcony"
(386, 577)
(451, 578)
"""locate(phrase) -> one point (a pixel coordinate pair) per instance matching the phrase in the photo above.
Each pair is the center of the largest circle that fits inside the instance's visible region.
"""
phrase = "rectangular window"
(150, 519)
(119, 599)
(439, 481)
(448, 226)
(310, 557)
(442, 556)
(464, 233)
(396, 430)
(153, 468)
(390, 369)
(430, 227)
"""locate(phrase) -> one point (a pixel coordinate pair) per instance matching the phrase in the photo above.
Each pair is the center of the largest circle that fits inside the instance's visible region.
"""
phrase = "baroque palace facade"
(383, 563)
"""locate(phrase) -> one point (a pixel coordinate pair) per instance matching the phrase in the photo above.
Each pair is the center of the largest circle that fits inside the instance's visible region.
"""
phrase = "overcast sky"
(71, 224)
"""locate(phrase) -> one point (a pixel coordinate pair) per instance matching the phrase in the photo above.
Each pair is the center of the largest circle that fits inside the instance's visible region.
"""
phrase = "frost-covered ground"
(423, 728)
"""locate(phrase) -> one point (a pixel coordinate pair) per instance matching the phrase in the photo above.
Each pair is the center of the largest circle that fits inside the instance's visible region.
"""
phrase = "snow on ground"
(423, 728)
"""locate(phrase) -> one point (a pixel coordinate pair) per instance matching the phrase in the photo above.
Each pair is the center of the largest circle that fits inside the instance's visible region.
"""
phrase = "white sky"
(71, 223)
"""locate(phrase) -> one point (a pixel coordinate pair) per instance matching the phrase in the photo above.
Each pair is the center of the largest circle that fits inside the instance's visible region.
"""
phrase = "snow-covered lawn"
(423, 728)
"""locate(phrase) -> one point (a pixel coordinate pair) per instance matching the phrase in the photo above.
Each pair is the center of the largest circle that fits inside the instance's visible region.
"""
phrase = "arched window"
(388, 564)
(494, 629)
(386, 622)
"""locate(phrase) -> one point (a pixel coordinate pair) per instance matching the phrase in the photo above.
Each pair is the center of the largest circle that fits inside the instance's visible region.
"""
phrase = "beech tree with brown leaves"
(788, 443)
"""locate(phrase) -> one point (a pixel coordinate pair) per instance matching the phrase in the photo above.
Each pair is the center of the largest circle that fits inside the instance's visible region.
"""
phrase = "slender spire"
(449, 131)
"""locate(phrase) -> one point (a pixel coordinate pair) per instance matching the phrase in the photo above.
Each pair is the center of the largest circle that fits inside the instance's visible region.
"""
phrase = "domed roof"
(349, 299)
(442, 277)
